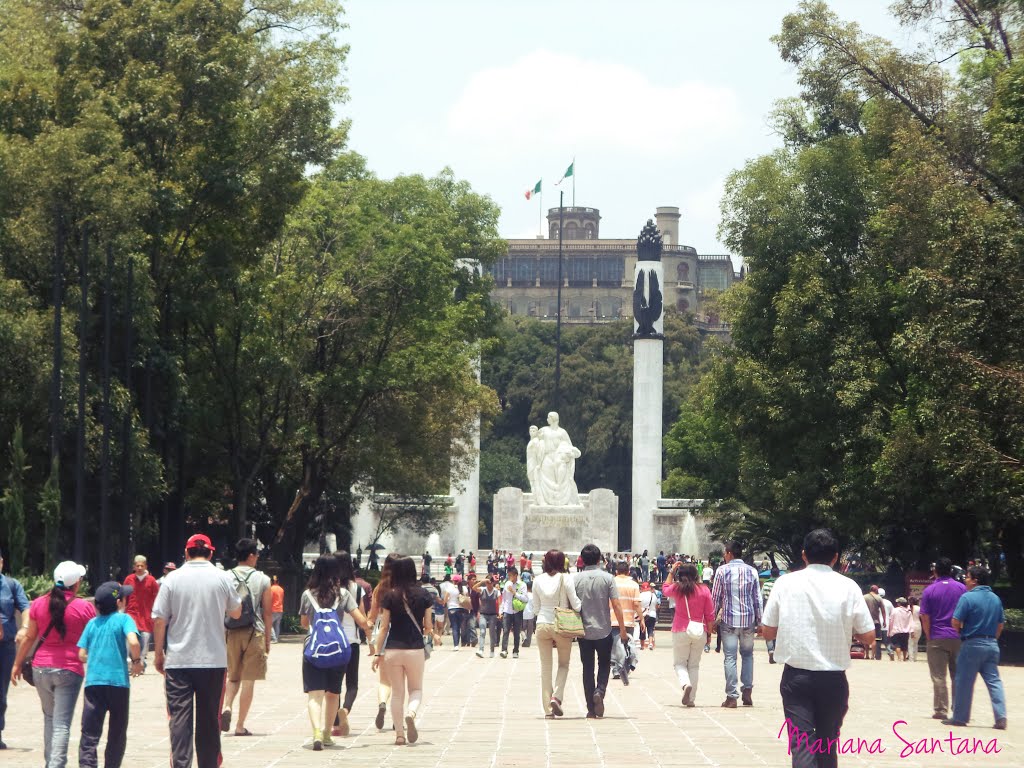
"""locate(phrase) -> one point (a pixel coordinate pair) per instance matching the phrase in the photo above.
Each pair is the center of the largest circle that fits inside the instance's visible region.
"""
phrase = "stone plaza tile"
(486, 713)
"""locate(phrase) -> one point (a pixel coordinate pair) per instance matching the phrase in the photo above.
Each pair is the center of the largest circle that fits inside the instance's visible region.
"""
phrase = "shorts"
(314, 679)
(247, 655)
(899, 640)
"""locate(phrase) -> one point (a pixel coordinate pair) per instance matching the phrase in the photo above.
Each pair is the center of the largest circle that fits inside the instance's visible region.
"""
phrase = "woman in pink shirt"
(58, 617)
(691, 625)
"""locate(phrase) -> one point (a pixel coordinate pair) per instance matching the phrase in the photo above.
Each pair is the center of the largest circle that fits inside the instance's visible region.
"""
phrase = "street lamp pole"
(558, 312)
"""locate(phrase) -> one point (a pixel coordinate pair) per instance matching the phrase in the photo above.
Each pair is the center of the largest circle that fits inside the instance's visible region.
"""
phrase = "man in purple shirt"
(938, 601)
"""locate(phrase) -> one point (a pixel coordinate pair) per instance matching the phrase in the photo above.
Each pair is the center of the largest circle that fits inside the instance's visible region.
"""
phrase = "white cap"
(881, 592)
(68, 573)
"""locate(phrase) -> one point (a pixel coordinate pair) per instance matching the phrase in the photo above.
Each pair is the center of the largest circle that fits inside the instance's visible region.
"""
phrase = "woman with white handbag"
(691, 625)
(556, 605)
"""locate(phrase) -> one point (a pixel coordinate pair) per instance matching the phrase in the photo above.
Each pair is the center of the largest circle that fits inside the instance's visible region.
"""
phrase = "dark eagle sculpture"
(647, 303)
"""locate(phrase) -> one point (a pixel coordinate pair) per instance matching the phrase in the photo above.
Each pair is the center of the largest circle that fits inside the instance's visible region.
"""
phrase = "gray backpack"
(248, 617)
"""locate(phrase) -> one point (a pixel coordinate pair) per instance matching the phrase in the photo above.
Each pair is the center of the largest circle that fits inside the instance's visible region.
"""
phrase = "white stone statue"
(551, 466)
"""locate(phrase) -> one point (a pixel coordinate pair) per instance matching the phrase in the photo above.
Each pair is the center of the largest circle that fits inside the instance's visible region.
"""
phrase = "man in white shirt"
(812, 614)
(189, 615)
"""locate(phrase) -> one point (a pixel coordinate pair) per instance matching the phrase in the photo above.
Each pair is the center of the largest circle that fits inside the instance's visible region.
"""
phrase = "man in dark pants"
(12, 601)
(596, 589)
(191, 652)
(812, 614)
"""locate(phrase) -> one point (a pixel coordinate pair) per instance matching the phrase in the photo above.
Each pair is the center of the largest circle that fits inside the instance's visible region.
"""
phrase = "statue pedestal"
(522, 526)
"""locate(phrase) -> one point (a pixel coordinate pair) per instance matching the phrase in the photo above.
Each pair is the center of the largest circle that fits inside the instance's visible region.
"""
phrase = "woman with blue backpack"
(327, 650)
(407, 621)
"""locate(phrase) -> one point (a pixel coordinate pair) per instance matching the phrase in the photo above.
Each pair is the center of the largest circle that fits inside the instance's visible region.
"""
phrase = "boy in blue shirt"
(107, 641)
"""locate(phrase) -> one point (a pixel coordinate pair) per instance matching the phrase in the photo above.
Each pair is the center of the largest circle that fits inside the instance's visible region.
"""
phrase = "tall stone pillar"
(648, 366)
(466, 493)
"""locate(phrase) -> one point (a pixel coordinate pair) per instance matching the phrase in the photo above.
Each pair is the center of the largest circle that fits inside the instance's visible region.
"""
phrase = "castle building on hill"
(597, 275)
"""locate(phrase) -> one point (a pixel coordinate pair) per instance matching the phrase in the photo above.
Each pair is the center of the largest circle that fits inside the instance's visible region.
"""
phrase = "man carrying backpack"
(248, 640)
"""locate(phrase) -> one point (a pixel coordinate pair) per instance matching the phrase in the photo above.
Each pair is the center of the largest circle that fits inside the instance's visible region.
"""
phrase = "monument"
(648, 373)
(554, 513)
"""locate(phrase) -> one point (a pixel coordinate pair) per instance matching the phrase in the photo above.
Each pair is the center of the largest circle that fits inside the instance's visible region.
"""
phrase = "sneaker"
(342, 729)
(515, 655)
(729, 703)
(556, 708)
(504, 654)
(687, 693)
(492, 655)
(598, 704)
(1000, 724)
(771, 657)
(410, 728)
(455, 648)
(707, 648)
(939, 716)
(480, 654)
(747, 700)
(328, 741)
(957, 723)
(379, 720)
(318, 740)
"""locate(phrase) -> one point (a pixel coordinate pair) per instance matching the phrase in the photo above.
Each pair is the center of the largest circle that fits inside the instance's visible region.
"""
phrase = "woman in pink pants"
(406, 616)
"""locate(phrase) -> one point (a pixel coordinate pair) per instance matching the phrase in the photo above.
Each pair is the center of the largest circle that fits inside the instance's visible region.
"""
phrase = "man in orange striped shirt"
(632, 612)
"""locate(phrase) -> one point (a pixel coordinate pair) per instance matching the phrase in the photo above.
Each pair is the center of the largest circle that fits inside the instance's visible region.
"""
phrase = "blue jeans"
(488, 625)
(58, 693)
(977, 655)
(741, 638)
(457, 616)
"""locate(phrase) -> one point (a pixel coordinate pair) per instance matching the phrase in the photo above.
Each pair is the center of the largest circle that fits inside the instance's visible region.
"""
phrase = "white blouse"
(548, 591)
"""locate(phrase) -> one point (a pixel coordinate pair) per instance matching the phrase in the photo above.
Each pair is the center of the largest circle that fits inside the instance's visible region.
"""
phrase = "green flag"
(567, 174)
(535, 191)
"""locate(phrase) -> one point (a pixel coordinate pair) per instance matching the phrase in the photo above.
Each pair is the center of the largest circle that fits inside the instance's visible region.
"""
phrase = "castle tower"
(648, 374)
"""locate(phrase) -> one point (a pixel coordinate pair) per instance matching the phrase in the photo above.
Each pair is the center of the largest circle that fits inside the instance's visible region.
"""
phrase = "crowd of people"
(212, 631)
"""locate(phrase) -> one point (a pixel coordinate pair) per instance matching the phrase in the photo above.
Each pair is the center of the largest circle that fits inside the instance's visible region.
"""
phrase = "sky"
(655, 101)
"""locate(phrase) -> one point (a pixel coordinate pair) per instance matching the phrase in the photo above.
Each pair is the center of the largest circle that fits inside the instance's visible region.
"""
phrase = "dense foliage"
(876, 377)
(253, 340)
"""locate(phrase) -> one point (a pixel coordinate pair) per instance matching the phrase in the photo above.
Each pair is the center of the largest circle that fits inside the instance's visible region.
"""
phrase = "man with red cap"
(189, 614)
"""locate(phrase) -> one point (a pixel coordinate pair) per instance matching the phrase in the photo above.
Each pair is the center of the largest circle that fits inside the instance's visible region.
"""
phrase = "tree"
(13, 503)
(875, 381)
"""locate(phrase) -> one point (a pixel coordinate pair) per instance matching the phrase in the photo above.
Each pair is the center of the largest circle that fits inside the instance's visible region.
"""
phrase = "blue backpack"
(327, 646)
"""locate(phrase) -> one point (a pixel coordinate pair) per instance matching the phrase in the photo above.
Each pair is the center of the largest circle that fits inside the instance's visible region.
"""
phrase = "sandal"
(243, 732)
(399, 741)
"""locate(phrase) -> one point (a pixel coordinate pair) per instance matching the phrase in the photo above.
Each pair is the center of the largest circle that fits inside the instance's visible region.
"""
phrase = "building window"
(523, 271)
(554, 231)
(610, 271)
(589, 233)
(683, 272)
(579, 271)
(571, 232)
(683, 305)
(713, 279)
(547, 271)
(575, 309)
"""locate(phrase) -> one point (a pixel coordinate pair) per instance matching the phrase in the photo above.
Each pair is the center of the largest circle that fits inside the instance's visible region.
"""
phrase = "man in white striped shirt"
(812, 615)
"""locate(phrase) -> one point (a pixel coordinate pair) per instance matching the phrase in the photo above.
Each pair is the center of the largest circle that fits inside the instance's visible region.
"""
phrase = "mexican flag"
(567, 174)
(535, 191)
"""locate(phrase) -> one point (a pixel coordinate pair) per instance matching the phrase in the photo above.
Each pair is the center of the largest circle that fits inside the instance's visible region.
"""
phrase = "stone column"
(648, 365)
(467, 492)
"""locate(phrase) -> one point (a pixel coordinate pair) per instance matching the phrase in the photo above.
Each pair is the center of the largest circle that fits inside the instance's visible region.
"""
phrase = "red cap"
(200, 540)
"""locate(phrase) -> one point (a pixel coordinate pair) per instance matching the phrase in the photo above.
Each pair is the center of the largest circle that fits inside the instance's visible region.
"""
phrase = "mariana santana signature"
(909, 746)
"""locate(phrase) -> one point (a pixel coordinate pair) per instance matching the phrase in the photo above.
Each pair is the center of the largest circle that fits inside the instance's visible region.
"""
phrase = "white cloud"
(547, 99)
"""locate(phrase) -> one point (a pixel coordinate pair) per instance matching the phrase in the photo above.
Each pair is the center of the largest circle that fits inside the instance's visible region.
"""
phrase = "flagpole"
(574, 182)
(540, 213)
(558, 315)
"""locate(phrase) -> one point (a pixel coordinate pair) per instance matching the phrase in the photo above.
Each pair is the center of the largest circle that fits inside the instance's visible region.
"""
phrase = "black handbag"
(26, 665)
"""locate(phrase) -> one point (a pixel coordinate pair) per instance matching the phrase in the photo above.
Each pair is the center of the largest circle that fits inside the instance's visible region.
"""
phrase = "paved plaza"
(481, 713)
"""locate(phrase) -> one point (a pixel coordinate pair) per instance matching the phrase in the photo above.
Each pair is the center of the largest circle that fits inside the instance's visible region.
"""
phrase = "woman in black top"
(406, 615)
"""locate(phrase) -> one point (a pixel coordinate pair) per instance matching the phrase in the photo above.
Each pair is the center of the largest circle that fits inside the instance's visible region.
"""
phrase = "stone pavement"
(486, 712)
